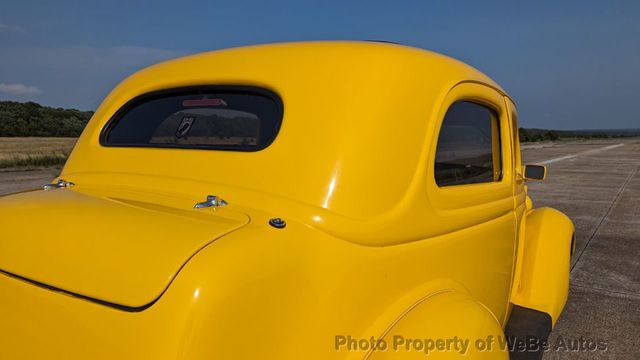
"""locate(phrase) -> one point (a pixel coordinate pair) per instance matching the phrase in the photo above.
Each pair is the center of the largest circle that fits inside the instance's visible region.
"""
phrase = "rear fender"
(543, 280)
(432, 326)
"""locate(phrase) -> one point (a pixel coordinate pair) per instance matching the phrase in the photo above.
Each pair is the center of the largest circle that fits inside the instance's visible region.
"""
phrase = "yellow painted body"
(373, 247)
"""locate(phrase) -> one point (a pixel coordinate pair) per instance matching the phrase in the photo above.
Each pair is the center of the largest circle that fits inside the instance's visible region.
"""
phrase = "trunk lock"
(277, 223)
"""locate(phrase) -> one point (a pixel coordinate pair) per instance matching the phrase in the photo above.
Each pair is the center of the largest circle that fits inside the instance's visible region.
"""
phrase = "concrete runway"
(14, 181)
(597, 184)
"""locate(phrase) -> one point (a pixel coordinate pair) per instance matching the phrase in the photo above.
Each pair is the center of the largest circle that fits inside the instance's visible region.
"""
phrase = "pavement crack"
(605, 217)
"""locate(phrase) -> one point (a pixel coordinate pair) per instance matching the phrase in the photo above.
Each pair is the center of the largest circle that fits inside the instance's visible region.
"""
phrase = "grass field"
(34, 152)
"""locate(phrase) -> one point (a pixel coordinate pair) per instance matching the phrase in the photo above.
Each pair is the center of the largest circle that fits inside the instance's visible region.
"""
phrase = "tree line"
(31, 119)
(534, 135)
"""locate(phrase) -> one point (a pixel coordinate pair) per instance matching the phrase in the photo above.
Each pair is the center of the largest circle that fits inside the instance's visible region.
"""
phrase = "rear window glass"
(219, 119)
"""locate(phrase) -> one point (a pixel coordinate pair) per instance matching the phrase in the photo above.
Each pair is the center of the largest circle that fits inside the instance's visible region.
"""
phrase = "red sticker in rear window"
(203, 102)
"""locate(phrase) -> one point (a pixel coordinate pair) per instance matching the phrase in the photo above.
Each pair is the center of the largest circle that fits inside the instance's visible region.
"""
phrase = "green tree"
(31, 119)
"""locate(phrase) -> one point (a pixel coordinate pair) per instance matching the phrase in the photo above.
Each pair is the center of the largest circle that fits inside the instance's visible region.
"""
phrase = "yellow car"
(321, 200)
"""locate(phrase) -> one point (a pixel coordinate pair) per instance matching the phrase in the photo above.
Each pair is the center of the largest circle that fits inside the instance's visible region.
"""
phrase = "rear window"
(224, 118)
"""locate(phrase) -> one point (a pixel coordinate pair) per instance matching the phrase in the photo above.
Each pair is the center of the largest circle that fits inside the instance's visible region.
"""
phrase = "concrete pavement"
(599, 188)
(14, 181)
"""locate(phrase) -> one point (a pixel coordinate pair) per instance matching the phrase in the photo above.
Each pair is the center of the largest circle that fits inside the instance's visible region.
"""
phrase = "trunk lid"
(120, 249)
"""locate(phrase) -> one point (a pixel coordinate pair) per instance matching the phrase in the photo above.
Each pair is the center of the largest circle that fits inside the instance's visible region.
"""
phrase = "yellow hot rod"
(321, 200)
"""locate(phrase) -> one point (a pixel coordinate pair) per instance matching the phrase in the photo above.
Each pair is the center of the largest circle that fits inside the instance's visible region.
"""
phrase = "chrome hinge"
(212, 201)
(61, 184)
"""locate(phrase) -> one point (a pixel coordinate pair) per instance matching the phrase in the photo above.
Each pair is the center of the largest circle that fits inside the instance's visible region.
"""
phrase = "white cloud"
(19, 89)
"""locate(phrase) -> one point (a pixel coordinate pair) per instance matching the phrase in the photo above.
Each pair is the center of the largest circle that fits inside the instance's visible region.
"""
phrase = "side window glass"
(468, 150)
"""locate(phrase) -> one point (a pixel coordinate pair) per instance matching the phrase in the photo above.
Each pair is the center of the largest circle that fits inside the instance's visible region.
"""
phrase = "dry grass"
(34, 152)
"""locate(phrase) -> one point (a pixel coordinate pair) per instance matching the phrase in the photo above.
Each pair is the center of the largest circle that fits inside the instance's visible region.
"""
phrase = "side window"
(468, 149)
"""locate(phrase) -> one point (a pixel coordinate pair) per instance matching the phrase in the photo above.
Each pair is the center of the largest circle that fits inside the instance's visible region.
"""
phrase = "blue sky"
(568, 64)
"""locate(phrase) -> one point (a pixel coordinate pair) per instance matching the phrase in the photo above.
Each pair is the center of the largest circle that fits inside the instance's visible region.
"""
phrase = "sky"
(568, 64)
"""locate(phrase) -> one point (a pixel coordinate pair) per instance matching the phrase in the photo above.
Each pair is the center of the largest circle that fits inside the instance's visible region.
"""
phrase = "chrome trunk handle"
(61, 184)
(212, 201)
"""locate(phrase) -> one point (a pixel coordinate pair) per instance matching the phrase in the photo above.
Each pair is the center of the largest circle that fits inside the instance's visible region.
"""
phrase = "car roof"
(355, 120)
(354, 55)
